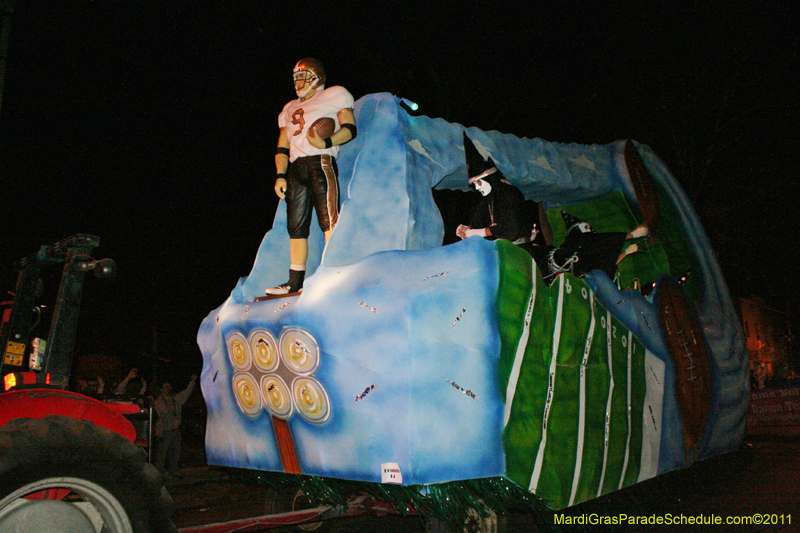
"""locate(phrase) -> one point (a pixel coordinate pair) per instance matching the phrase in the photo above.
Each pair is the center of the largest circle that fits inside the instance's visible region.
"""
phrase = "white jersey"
(297, 116)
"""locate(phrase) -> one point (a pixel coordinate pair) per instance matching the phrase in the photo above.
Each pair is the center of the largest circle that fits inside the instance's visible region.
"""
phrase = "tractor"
(67, 460)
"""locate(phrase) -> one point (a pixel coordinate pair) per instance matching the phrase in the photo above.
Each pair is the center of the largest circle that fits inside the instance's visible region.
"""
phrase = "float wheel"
(474, 522)
(285, 500)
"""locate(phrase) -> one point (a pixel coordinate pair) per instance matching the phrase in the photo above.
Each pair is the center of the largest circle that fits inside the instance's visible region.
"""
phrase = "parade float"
(405, 363)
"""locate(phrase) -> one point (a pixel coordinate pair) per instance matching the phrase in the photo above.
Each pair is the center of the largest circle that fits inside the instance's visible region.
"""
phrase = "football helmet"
(308, 74)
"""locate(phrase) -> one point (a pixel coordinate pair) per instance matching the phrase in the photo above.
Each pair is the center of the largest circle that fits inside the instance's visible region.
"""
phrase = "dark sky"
(153, 125)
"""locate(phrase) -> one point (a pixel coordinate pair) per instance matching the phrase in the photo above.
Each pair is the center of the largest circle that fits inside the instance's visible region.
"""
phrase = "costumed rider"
(502, 212)
(306, 162)
(584, 249)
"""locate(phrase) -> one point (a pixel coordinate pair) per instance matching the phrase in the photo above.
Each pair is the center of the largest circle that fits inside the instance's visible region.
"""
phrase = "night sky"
(153, 125)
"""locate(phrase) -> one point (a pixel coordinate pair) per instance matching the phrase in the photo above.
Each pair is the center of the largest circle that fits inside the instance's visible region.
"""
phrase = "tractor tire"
(60, 474)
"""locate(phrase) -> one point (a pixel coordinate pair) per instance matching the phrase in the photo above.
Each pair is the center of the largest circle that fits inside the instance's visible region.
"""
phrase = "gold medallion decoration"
(265, 350)
(277, 398)
(239, 351)
(311, 400)
(299, 351)
(245, 389)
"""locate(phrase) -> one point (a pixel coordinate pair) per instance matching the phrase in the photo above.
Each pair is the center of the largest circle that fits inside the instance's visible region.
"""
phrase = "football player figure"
(306, 163)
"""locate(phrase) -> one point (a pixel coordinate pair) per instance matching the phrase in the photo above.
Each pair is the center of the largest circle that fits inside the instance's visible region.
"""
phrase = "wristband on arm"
(353, 130)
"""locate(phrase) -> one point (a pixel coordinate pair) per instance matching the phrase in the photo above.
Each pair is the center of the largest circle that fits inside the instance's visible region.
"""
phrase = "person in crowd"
(169, 407)
(122, 387)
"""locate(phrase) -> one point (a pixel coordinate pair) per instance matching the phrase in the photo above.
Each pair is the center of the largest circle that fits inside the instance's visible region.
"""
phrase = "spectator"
(168, 428)
(90, 388)
(123, 385)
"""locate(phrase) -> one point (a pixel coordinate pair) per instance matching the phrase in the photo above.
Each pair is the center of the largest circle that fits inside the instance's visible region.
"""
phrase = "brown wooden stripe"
(291, 463)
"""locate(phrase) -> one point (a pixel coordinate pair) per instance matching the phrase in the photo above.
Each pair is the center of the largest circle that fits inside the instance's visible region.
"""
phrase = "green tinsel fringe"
(451, 502)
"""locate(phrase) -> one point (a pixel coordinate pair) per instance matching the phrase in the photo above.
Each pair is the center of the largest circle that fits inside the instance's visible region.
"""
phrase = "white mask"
(483, 187)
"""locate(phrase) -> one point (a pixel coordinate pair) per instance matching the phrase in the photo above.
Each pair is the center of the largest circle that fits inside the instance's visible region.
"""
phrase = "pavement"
(756, 484)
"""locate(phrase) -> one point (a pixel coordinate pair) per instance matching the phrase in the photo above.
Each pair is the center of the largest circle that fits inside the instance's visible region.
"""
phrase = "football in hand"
(324, 127)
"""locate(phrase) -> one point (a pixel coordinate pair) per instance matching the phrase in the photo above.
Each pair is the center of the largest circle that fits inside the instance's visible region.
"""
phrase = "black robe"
(503, 211)
(591, 251)
(509, 216)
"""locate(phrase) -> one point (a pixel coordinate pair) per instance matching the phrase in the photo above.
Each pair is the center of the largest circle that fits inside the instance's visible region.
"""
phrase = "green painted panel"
(562, 439)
